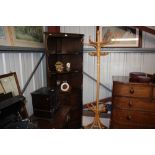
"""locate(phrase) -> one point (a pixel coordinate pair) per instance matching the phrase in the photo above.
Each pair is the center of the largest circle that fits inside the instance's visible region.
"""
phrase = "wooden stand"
(98, 44)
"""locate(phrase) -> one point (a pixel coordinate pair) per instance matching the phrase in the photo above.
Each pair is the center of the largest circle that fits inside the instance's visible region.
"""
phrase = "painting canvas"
(4, 36)
(21, 36)
(121, 36)
(28, 36)
(1, 88)
(29, 33)
(8, 84)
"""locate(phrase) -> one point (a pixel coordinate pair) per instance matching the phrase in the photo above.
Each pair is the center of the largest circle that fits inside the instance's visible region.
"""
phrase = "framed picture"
(21, 36)
(1, 88)
(27, 36)
(4, 36)
(121, 36)
(9, 83)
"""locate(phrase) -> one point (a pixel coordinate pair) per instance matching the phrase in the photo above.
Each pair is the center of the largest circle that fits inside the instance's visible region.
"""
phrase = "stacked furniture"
(64, 57)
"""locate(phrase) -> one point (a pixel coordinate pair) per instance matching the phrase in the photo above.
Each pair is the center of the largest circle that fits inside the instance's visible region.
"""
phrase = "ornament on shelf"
(68, 66)
(65, 87)
(59, 66)
(58, 82)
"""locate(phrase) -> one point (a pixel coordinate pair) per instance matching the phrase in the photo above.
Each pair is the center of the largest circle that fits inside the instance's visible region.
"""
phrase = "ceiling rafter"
(146, 29)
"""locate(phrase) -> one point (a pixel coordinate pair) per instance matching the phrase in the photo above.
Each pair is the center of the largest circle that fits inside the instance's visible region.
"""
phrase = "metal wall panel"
(23, 64)
(112, 64)
(88, 31)
(148, 40)
(26, 72)
(38, 73)
(1, 63)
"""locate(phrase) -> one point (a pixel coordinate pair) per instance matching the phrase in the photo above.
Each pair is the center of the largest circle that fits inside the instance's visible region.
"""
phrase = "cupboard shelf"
(64, 53)
(65, 72)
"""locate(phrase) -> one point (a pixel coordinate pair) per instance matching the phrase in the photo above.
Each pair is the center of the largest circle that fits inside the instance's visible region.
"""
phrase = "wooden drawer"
(154, 92)
(132, 90)
(133, 104)
(135, 117)
(117, 125)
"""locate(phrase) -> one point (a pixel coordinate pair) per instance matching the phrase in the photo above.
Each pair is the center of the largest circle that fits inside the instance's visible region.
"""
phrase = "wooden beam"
(88, 113)
(105, 100)
(55, 29)
(146, 29)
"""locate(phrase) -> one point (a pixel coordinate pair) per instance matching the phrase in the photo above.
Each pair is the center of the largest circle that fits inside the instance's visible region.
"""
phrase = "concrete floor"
(87, 120)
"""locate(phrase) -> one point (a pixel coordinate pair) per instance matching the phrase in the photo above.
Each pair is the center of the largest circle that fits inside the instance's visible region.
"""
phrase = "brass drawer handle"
(131, 90)
(129, 117)
(130, 103)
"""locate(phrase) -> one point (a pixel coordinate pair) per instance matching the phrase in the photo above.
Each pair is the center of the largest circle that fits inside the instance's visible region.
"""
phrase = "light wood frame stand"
(97, 124)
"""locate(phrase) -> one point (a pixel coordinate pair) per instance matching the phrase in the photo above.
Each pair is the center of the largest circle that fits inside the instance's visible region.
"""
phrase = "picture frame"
(22, 36)
(4, 36)
(2, 91)
(9, 83)
(121, 37)
(27, 36)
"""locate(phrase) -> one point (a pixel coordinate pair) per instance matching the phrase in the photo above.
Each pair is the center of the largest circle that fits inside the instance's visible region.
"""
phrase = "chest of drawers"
(133, 104)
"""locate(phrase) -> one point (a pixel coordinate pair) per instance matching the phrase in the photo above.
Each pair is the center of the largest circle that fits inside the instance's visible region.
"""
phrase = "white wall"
(112, 64)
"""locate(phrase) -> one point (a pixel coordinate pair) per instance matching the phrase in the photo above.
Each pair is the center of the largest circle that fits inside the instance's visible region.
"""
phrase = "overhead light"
(125, 39)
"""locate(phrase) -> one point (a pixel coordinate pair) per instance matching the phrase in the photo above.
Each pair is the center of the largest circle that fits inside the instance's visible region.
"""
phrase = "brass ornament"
(59, 66)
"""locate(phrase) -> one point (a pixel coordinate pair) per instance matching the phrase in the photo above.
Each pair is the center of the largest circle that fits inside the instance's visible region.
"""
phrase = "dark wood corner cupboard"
(64, 57)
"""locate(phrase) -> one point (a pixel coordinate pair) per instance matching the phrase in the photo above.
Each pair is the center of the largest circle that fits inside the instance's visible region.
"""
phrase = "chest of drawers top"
(123, 87)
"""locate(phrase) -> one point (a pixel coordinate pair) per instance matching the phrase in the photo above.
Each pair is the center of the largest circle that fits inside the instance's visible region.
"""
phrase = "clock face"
(65, 87)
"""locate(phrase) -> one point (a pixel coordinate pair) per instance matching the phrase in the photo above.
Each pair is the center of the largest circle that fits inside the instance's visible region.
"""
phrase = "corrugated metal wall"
(23, 64)
(112, 64)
